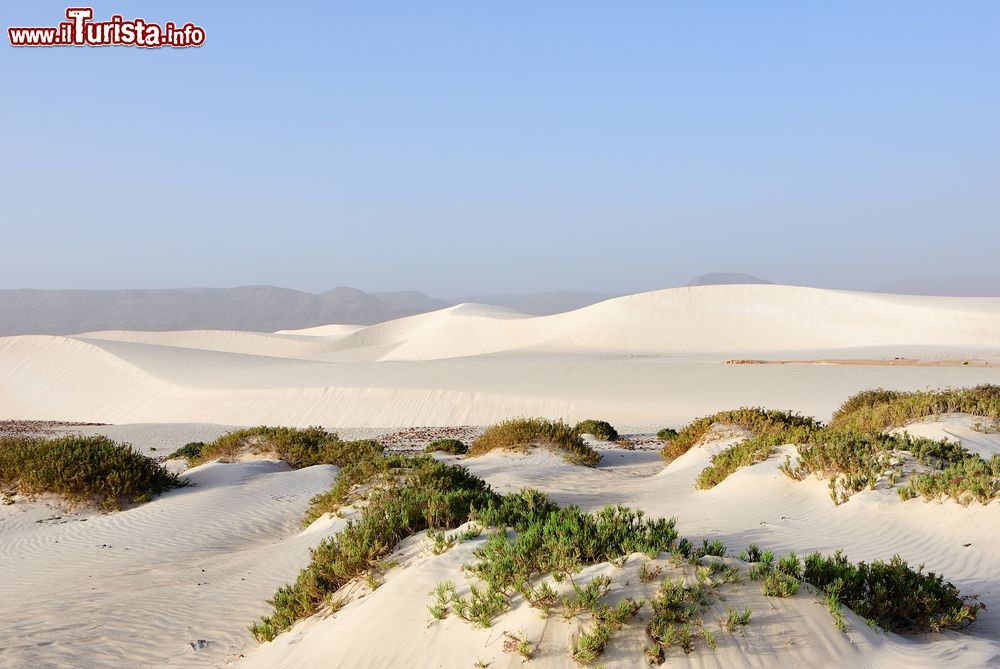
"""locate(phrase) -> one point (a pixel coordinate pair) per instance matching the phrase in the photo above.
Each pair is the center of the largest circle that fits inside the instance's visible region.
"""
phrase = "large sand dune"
(639, 360)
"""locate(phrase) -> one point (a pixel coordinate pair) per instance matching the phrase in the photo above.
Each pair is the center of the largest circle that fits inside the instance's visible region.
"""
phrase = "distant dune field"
(643, 359)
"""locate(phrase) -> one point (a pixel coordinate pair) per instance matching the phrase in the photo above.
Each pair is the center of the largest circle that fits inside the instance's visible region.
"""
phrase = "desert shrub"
(736, 619)
(422, 493)
(853, 461)
(676, 619)
(559, 542)
(298, 447)
(82, 469)
(876, 410)
(189, 451)
(756, 420)
(753, 450)
(450, 446)
(599, 428)
(891, 593)
(666, 434)
(965, 480)
(519, 434)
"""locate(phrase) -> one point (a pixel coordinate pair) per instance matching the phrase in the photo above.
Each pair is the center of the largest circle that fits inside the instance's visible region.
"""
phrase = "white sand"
(649, 359)
(135, 588)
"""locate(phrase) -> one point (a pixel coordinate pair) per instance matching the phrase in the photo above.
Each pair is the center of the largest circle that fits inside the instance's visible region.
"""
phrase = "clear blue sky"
(468, 147)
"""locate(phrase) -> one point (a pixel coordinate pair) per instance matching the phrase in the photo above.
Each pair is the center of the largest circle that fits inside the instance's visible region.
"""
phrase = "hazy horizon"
(465, 149)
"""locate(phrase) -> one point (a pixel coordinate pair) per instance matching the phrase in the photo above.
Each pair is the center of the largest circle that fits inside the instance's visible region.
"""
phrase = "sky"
(476, 147)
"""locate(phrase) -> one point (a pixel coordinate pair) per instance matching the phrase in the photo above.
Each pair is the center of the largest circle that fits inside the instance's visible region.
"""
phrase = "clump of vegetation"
(298, 447)
(756, 420)
(82, 469)
(965, 480)
(746, 453)
(556, 542)
(449, 446)
(406, 496)
(894, 595)
(666, 434)
(891, 594)
(599, 428)
(519, 434)
(190, 451)
(854, 461)
(876, 410)
(735, 619)
(589, 646)
(676, 619)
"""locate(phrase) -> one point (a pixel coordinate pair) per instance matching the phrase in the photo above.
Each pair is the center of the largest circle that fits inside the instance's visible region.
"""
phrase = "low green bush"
(421, 493)
(892, 594)
(82, 469)
(756, 420)
(666, 434)
(599, 428)
(190, 451)
(966, 480)
(520, 434)
(876, 410)
(298, 447)
(449, 446)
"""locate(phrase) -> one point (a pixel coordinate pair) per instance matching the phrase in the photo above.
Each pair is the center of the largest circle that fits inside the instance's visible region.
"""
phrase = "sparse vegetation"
(854, 453)
(599, 428)
(735, 619)
(876, 410)
(756, 420)
(404, 496)
(449, 446)
(82, 469)
(966, 480)
(190, 451)
(520, 434)
(297, 447)
(676, 619)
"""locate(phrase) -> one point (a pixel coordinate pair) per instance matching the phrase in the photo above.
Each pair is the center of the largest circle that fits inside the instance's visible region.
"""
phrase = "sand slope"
(135, 588)
(648, 359)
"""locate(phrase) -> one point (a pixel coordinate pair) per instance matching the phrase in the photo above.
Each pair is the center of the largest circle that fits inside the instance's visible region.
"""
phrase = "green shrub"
(892, 594)
(756, 420)
(421, 493)
(450, 446)
(298, 447)
(965, 480)
(855, 460)
(82, 469)
(876, 410)
(599, 428)
(189, 451)
(666, 434)
(520, 434)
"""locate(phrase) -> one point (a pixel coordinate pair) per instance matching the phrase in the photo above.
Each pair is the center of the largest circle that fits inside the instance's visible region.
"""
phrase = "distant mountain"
(723, 278)
(542, 304)
(253, 308)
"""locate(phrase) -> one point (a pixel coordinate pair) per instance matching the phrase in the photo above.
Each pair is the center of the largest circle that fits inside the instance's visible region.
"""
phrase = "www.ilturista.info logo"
(80, 30)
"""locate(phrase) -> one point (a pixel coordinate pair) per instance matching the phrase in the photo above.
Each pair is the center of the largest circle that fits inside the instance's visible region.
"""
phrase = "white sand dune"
(756, 504)
(137, 587)
(643, 360)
